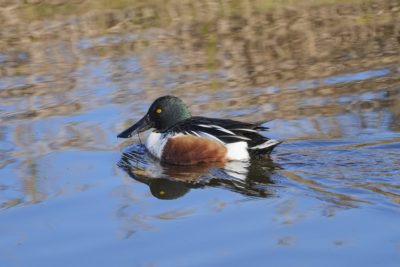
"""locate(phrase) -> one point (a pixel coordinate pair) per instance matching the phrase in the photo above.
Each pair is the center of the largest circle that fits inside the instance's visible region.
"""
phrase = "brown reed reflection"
(220, 45)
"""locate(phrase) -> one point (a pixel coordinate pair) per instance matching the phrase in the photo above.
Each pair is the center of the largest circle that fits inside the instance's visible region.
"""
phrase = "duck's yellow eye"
(162, 193)
(159, 110)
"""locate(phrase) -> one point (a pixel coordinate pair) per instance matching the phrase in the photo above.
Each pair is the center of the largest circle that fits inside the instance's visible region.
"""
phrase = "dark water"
(325, 75)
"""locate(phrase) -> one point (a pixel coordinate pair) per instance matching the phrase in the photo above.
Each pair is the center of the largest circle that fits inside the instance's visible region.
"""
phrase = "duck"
(178, 138)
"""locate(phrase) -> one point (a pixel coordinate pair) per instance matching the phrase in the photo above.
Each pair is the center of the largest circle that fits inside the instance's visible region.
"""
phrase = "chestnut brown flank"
(187, 150)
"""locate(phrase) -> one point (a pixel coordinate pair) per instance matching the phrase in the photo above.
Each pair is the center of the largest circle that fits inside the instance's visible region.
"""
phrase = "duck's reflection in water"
(171, 182)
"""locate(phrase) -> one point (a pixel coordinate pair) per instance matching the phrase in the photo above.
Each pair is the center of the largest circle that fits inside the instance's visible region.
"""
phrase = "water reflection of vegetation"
(45, 9)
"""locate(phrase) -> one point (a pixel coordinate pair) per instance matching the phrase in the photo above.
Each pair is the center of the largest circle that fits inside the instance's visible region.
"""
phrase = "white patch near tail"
(269, 143)
(237, 151)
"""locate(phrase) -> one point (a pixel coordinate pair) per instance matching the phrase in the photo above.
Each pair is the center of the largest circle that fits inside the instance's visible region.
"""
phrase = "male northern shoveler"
(178, 138)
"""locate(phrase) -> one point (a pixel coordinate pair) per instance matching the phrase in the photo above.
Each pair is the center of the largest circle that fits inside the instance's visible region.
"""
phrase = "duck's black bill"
(141, 126)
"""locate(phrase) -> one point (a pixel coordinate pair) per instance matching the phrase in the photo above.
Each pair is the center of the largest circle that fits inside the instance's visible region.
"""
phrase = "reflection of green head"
(166, 189)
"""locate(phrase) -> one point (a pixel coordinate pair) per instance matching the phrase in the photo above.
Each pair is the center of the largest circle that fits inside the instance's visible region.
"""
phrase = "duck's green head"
(165, 112)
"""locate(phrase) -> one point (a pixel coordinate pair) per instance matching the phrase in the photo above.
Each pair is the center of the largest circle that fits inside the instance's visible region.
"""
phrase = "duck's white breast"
(155, 143)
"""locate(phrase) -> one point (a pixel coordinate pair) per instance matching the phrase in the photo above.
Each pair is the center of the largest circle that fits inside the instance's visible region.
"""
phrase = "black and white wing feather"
(225, 131)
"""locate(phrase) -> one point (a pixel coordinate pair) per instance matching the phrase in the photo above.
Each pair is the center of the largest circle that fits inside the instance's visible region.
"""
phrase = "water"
(324, 75)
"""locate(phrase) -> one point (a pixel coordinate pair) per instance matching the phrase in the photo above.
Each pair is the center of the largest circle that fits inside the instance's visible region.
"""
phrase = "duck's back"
(235, 135)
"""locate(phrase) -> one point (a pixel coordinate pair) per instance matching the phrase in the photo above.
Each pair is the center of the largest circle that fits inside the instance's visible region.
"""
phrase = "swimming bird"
(179, 138)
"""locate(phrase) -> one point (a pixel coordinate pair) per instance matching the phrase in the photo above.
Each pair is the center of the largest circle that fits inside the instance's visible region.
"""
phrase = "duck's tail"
(264, 148)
